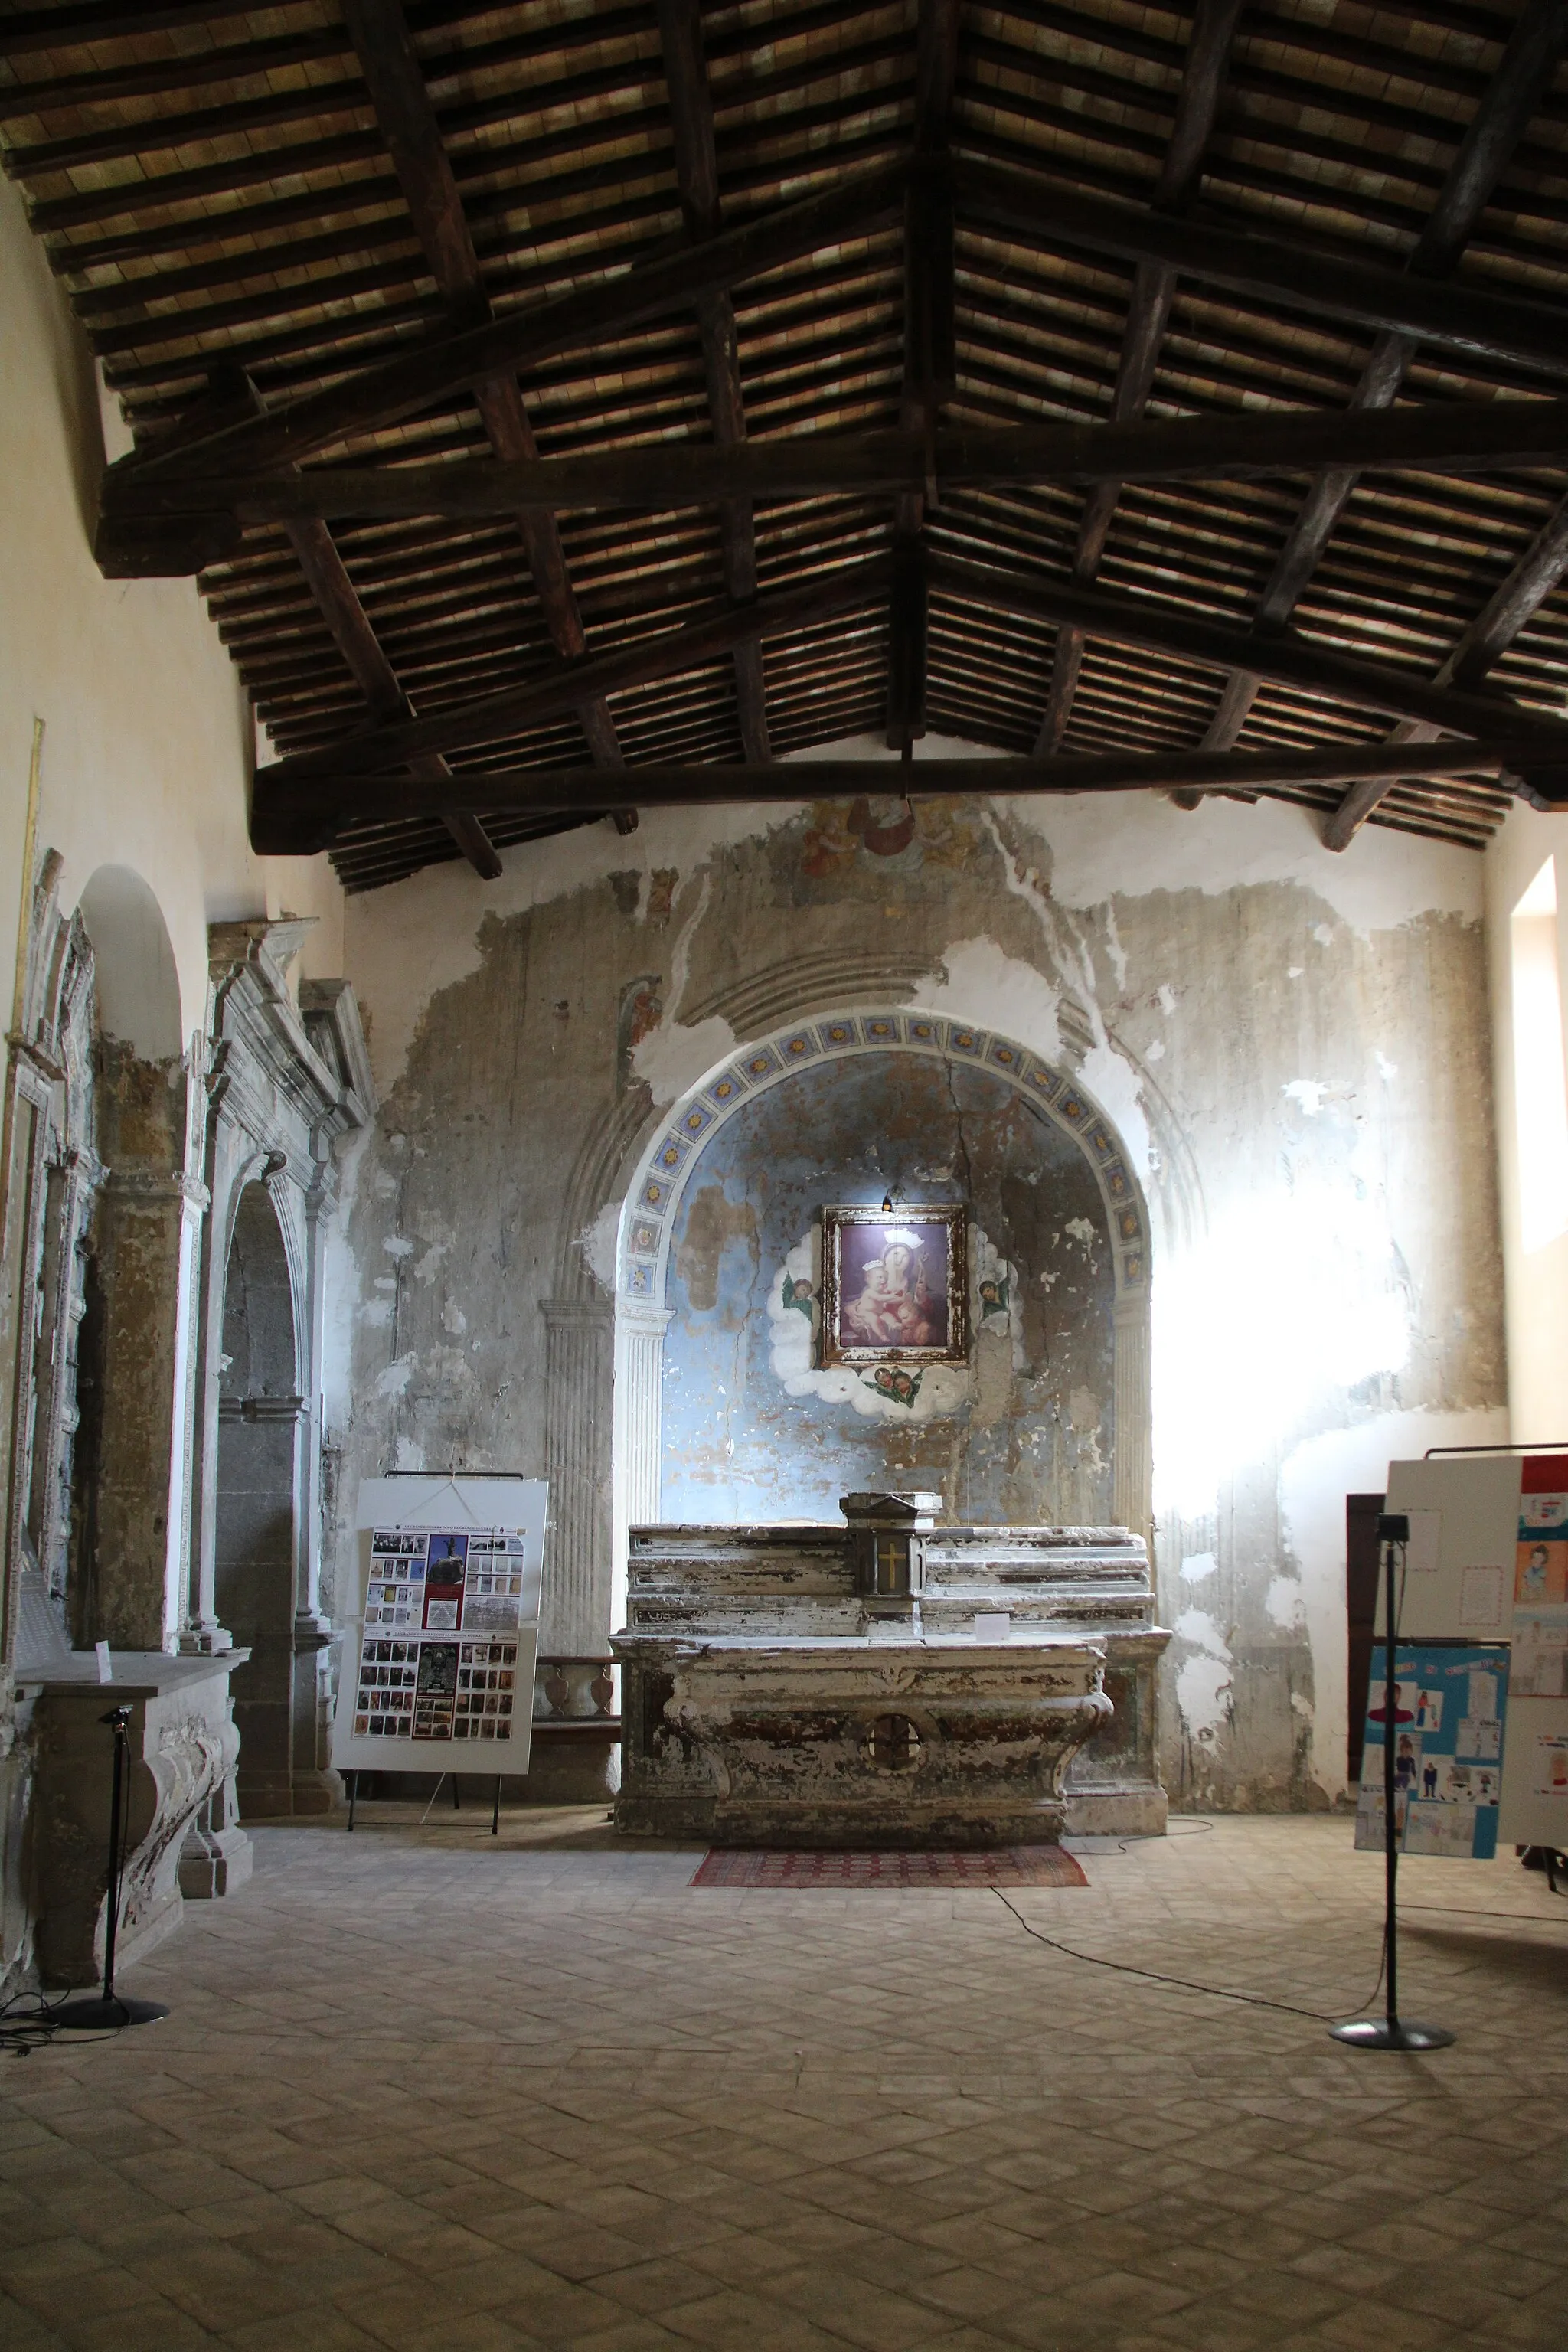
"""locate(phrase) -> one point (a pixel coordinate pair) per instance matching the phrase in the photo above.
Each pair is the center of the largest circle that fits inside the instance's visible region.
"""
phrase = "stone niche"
(888, 1683)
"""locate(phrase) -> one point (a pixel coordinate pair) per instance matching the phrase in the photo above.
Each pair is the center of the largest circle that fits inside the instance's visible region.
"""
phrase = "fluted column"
(639, 1428)
(640, 1419)
(578, 1584)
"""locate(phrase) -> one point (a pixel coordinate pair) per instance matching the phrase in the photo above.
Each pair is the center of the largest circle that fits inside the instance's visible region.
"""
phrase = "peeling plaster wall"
(1294, 1047)
(751, 1431)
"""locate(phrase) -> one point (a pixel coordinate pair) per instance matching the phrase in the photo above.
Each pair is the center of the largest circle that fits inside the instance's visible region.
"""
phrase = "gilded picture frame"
(895, 1286)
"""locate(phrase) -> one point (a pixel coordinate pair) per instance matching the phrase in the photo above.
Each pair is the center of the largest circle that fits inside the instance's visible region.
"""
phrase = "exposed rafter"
(1521, 79)
(1286, 659)
(379, 31)
(1154, 291)
(230, 392)
(446, 363)
(1300, 276)
(697, 175)
(947, 233)
(1507, 611)
(930, 361)
(666, 654)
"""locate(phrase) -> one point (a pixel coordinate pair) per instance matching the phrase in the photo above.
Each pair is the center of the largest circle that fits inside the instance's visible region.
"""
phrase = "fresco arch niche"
(840, 1109)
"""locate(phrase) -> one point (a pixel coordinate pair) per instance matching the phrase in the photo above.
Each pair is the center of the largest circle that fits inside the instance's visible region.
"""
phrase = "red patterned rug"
(1009, 1865)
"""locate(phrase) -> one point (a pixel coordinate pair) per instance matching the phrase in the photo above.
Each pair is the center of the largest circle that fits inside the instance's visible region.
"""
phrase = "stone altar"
(183, 1833)
(889, 1683)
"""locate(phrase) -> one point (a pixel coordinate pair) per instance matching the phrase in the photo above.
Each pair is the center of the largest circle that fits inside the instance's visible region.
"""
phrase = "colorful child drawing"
(1542, 1573)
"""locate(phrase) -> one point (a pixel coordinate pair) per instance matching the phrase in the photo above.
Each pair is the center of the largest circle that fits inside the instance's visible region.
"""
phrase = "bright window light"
(1539, 1086)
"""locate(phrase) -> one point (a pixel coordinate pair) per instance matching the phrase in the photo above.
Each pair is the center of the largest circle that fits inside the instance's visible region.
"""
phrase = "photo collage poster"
(1445, 1714)
(440, 1643)
(1539, 1668)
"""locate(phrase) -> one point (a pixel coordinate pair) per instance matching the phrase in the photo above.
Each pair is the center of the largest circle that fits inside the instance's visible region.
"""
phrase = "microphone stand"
(1390, 2032)
(108, 2010)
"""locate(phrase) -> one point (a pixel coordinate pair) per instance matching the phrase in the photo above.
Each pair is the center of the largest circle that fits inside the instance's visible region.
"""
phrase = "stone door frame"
(284, 1087)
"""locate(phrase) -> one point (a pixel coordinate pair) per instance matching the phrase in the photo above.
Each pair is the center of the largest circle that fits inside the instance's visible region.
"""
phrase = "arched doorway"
(257, 1525)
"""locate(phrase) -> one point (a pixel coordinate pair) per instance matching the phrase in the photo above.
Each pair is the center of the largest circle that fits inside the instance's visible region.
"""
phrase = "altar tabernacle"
(888, 1683)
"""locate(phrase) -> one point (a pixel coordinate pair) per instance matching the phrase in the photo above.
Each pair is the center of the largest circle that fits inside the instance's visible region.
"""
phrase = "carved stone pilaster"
(639, 1384)
(149, 1220)
(578, 1585)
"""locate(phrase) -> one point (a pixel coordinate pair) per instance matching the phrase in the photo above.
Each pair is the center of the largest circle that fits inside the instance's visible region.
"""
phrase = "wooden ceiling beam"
(1153, 291)
(151, 78)
(301, 821)
(1524, 78)
(1054, 215)
(383, 44)
(352, 630)
(65, 28)
(929, 371)
(1437, 437)
(697, 177)
(1524, 74)
(666, 653)
(1285, 658)
(651, 288)
(1511, 608)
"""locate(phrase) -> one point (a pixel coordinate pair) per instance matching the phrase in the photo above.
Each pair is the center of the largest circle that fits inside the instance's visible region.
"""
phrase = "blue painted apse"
(752, 1431)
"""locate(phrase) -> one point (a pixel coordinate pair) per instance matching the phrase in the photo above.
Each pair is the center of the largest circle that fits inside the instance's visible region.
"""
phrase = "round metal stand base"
(1391, 2033)
(93, 2014)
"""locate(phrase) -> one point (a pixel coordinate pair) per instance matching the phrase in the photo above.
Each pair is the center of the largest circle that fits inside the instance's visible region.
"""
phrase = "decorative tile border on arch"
(661, 1178)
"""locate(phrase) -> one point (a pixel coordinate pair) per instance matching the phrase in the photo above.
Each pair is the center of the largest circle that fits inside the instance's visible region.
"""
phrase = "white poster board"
(1534, 1808)
(1458, 1577)
(437, 1670)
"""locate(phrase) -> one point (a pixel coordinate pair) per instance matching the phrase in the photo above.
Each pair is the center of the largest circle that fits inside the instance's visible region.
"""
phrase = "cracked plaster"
(1320, 1281)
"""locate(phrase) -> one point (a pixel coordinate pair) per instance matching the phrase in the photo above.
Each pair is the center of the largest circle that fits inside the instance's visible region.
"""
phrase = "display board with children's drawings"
(437, 1673)
(1445, 1712)
(1486, 1559)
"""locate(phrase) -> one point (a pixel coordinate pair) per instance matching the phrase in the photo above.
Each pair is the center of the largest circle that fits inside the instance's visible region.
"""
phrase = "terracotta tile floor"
(420, 2089)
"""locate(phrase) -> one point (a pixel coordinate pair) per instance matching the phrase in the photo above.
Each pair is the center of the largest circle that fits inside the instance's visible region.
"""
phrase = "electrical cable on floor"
(1474, 1911)
(36, 2028)
(1186, 1984)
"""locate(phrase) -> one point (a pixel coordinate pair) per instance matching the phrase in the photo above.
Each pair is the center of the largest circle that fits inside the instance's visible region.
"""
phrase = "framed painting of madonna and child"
(894, 1285)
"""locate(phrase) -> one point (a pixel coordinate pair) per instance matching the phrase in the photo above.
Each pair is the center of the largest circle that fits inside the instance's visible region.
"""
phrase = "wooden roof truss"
(572, 409)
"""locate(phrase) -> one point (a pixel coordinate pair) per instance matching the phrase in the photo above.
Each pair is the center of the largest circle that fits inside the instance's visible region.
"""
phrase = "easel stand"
(1390, 2032)
(108, 2011)
(494, 1809)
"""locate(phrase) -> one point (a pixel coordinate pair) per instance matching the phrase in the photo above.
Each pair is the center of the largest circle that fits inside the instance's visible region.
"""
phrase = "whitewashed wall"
(148, 739)
(1534, 1232)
